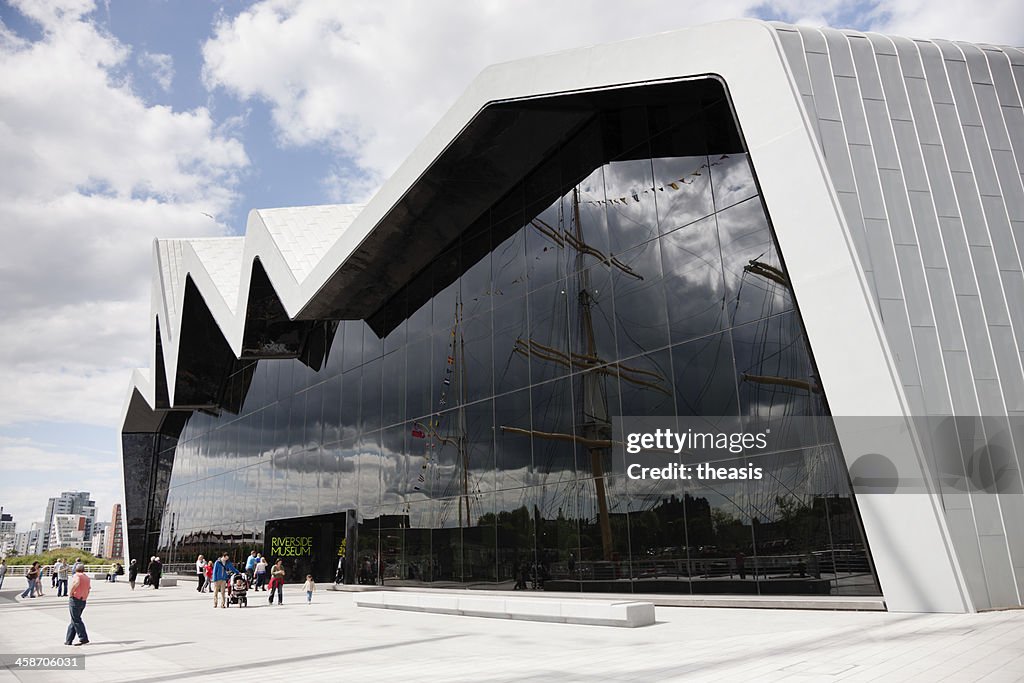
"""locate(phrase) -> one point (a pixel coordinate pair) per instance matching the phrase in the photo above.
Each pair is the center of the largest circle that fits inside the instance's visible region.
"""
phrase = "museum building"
(745, 221)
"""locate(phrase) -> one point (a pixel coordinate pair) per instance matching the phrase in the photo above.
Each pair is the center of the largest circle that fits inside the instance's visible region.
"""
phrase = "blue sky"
(125, 120)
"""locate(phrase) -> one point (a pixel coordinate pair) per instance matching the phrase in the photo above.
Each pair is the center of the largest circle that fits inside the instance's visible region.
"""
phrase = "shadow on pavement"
(285, 660)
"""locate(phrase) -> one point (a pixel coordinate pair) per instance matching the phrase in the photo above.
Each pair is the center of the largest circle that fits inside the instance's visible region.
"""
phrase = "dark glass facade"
(627, 274)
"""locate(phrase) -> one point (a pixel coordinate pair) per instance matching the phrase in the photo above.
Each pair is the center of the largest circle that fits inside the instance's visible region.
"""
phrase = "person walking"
(201, 573)
(133, 573)
(276, 583)
(56, 574)
(62, 578)
(250, 566)
(309, 587)
(39, 581)
(261, 574)
(209, 577)
(80, 586)
(31, 577)
(53, 574)
(3, 571)
(222, 571)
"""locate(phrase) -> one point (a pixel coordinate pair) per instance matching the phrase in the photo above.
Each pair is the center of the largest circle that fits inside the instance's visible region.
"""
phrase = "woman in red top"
(209, 576)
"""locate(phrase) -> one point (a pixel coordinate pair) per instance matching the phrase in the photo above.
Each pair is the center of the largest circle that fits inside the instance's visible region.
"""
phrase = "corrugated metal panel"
(924, 141)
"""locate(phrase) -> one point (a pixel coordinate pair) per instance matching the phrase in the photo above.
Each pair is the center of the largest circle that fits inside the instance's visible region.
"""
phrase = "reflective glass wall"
(468, 427)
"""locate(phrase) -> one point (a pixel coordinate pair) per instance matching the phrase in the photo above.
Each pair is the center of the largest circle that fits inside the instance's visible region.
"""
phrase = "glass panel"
(347, 453)
(475, 282)
(694, 285)
(777, 380)
(373, 346)
(755, 285)
(509, 261)
(369, 470)
(593, 219)
(684, 191)
(296, 421)
(332, 410)
(548, 341)
(631, 209)
(640, 308)
(512, 450)
(511, 361)
(314, 417)
(646, 386)
(393, 388)
(474, 367)
(733, 180)
(420, 378)
(705, 379)
(370, 405)
(545, 245)
(554, 437)
(351, 400)
(352, 344)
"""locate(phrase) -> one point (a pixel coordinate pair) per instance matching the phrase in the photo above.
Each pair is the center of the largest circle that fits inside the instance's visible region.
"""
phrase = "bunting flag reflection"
(675, 185)
(430, 431)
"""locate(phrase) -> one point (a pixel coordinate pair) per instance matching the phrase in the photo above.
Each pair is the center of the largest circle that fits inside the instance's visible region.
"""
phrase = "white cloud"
(1000, 22)
(160, 67)
(370, 79)
(89, 174)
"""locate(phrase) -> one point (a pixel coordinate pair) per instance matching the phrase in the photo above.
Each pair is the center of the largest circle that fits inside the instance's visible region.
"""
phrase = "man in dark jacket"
(133, 572)
(155, 569)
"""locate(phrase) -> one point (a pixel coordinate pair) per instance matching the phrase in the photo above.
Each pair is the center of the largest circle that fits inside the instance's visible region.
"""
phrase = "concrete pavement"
(175, 634)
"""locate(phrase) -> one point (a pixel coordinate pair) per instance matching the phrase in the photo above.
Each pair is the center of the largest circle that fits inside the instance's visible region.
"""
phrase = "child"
(309, 587)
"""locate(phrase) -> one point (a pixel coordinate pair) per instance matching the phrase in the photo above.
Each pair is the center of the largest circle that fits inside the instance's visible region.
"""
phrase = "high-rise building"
(29, 542)
(99, 538)
(114, 545)
(816, 234)
(68, 503)
(7, 532)
(68, 531)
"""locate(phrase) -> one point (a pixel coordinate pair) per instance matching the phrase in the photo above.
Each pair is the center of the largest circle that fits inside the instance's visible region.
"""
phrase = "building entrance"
(308, 545)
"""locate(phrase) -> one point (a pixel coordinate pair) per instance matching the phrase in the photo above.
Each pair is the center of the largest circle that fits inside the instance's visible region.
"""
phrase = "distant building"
(68, 531)
(100, 531)
(69, 503)
(7, 533)
(114, 543)
(29, 542)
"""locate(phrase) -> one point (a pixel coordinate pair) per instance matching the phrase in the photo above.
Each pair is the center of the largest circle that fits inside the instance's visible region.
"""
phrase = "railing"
(22, 569)
(830, 564)
(764, 566)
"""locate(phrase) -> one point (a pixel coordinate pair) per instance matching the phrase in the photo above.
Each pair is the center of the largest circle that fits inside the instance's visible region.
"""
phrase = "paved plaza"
(174, 634)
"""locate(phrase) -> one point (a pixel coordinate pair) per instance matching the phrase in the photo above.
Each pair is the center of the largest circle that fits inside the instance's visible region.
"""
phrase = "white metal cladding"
(891, 172)
(924, 143)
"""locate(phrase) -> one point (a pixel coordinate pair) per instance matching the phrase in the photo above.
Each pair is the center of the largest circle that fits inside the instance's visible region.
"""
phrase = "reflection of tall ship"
(594, 430)
(778, 505)
(446, 428)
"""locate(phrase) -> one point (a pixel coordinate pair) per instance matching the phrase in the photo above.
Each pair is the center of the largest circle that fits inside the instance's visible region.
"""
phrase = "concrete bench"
(99, 576)
(572, 611)
(164, 582)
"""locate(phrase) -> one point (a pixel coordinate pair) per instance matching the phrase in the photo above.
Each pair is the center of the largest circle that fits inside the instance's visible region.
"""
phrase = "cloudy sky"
(121, 121)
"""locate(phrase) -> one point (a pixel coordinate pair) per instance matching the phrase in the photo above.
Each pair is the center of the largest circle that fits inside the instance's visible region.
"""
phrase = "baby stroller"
(238, 589)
